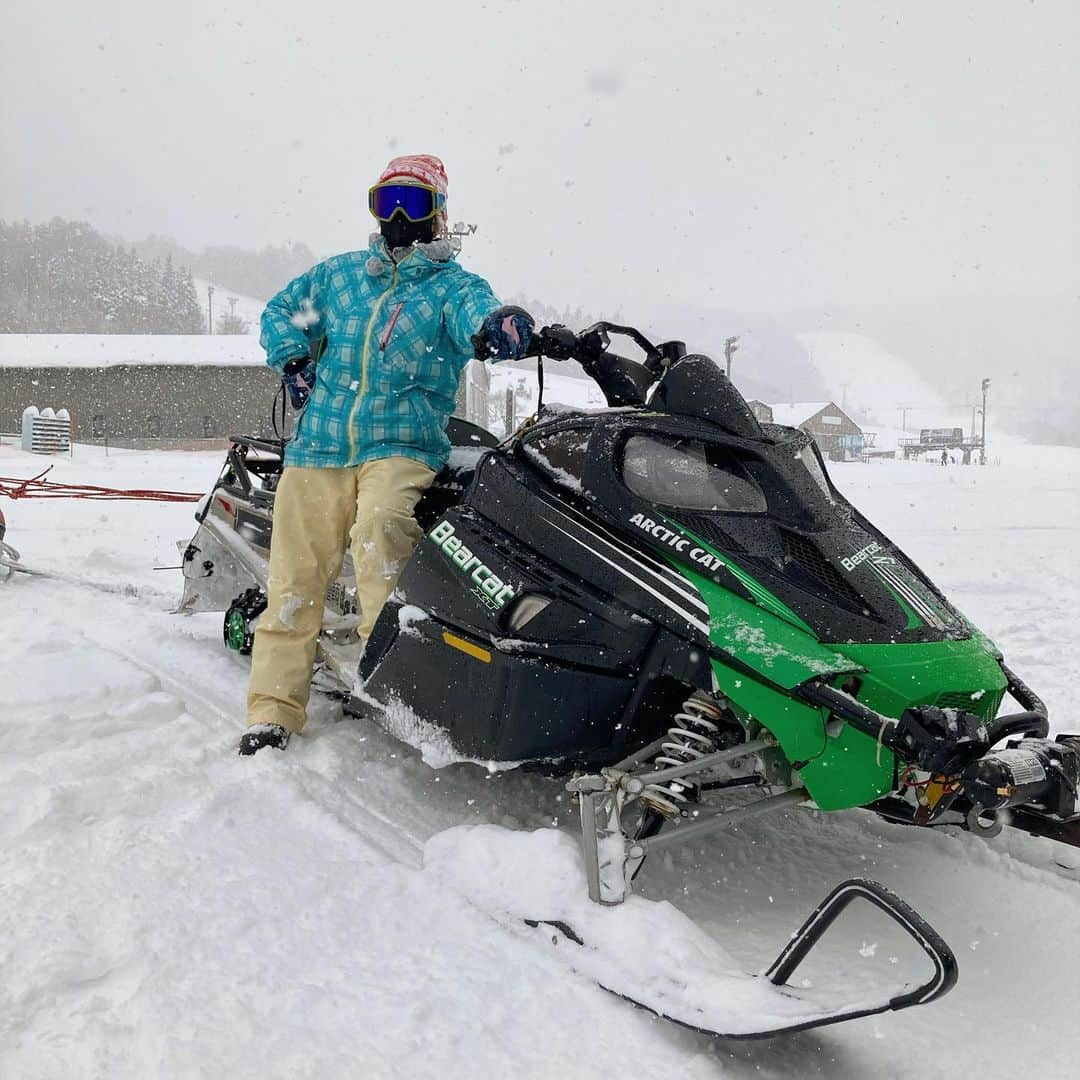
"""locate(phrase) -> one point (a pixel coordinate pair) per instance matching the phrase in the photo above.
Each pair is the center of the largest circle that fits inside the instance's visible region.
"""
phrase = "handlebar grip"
(482, 349)
(557, 342)
(481, 346)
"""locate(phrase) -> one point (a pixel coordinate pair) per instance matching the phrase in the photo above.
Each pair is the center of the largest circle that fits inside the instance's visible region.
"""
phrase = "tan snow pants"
(316, 513)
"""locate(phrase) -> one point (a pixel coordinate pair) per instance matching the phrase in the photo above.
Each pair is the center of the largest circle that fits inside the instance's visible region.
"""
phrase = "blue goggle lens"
(416, 203)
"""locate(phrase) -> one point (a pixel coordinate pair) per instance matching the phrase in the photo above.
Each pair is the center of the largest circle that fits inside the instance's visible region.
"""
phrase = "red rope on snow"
(37, 487)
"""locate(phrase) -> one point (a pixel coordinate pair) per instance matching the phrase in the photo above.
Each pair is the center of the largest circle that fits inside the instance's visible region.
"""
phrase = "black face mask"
(399, 231)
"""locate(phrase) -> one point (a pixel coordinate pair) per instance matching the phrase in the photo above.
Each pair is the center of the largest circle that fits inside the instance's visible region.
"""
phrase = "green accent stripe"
(913, 620)
(758, 591)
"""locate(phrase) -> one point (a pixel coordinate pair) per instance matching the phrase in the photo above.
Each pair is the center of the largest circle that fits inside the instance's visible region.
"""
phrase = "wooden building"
(838, 436)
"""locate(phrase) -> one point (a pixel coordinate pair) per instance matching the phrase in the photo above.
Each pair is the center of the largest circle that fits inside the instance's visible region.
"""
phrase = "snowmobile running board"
(799, 1009)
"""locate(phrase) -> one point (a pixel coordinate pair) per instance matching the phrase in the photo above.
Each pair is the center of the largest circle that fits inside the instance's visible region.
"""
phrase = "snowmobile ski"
(781, 1008)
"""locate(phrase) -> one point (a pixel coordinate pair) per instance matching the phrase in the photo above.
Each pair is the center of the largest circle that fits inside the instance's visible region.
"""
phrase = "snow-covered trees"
(63, 277)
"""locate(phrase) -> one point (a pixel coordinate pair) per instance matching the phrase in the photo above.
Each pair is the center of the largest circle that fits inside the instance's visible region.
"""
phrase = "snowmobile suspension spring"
(693, 736)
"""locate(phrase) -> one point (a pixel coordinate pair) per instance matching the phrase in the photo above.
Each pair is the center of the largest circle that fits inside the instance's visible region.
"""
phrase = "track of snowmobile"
(169, 908)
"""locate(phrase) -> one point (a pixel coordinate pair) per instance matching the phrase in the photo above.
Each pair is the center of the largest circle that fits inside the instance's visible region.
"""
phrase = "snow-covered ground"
(169, 909)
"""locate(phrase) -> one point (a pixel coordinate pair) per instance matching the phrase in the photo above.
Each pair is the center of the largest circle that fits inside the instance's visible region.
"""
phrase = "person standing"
(371, 345)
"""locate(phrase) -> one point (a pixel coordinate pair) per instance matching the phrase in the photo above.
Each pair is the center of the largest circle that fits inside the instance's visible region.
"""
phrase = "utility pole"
(210, 305)
(903, 411)
(731, 346)
(509, 421)
(982, 448)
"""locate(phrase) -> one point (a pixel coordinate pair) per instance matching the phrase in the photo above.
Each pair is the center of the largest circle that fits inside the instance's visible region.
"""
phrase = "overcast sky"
(762, 156)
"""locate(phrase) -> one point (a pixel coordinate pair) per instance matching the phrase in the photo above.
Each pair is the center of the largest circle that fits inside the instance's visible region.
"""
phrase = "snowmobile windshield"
(691, 475)
(809, 458)
(561, 454)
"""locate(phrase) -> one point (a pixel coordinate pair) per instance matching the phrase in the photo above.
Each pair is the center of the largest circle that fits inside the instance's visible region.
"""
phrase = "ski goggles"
(417, 202)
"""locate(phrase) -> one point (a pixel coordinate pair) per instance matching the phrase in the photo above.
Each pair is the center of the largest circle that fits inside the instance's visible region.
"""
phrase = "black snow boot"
(259, 735)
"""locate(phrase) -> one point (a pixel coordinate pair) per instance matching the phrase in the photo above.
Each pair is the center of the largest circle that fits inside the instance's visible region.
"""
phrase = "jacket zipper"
(364, 363)
(384, 338)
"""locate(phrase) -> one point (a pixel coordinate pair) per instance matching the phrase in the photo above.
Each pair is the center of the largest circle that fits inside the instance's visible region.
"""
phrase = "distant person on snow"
(944, 457)
(390, 329)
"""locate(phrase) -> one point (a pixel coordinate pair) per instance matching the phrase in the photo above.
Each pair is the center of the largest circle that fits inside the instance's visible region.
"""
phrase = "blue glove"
(508, 332)
(299, 379)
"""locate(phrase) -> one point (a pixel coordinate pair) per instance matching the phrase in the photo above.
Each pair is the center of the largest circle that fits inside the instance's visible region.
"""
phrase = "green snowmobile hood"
(763, 633)
(852, 769)
(776, 657)
(767, 651)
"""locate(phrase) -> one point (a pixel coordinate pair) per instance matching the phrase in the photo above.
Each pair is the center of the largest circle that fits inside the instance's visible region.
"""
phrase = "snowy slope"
(170, 909)
(564, 390)
(248, 308)
(867, 380)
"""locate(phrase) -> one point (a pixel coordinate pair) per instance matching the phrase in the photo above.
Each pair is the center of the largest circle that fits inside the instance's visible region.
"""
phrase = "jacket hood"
(419, 259)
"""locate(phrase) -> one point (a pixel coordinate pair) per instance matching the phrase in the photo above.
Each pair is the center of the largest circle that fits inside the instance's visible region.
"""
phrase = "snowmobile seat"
(468, 444)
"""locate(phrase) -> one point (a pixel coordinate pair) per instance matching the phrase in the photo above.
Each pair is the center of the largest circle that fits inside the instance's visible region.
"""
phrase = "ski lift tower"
(982, 442)
(731, 345)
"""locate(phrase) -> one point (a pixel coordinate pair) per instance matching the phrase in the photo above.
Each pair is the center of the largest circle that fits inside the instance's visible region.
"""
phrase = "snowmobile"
(671, 602)
(9, 558)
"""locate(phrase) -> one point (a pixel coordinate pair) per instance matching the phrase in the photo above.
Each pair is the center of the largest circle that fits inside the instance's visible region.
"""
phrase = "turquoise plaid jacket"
(396, 342)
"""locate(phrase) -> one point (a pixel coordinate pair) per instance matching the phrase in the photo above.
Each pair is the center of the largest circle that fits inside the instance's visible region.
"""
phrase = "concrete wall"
(130, 404)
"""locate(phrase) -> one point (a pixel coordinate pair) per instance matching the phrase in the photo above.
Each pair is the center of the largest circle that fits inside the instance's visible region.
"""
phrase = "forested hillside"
(63, 277)
(252, 273)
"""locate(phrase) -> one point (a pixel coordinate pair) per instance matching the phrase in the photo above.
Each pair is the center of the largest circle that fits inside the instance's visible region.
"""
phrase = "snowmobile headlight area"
(525, 609)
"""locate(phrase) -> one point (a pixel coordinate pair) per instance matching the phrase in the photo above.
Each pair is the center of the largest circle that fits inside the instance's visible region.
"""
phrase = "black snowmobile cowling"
(674, 597)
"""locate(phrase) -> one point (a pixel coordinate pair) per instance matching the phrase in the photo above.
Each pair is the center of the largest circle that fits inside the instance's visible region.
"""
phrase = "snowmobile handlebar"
(623, 381)
(940, 740)
(558, 342)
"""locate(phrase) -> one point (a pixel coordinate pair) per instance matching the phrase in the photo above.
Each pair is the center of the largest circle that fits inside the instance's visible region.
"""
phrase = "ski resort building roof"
(115, 350)
(798, 412)
(140, 389)
(837, 435)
